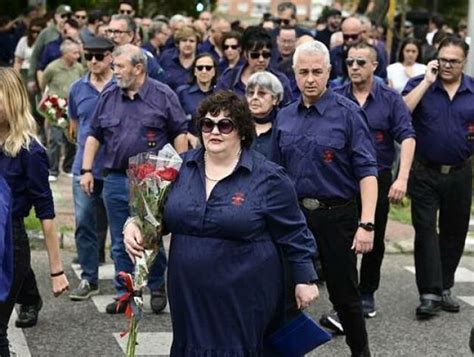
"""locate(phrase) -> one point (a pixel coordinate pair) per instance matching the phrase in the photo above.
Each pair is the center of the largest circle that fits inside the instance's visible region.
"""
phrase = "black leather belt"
(314, 203)
(107, 172)
(443, 169)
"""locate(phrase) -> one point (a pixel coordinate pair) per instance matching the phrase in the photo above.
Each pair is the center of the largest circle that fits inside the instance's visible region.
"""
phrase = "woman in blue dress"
(229, 211)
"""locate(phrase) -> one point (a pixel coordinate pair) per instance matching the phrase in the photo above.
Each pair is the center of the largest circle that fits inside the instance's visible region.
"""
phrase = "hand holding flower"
(133, 240)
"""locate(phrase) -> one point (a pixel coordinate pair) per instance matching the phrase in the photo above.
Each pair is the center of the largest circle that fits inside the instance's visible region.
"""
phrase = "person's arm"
(42, 79)
(180, 143)
(363, 239)
(398, 189)
(18, 63)
(413, 98)
(90, 151)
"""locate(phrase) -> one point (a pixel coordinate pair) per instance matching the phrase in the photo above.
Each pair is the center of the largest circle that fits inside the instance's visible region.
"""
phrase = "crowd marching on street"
(294, 142)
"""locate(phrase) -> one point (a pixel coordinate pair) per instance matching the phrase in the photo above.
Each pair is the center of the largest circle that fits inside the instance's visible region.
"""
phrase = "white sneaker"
(52, 178)
(70, 174)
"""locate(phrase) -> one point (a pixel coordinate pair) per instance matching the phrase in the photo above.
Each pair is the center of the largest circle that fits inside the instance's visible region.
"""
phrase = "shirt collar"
(239, 74)
(322, 103)
(142, 92)
(246, 159)
(193, 88)
(466, 85)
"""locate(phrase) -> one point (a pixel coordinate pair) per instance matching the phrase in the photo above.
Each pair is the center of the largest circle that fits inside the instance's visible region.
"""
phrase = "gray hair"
(155, 28)
(66, 44)
(131, 25)
(268, 81)
(176, 19)
(135, 54)
(312, 48)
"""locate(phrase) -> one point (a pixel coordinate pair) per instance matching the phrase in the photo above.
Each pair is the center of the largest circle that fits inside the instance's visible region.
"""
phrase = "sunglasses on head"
(126, 12)
(98, 56)
(284, 22)
(360, 62)
(225, 126)
(256, 55)
(353, 37)
(234, 47)
(201, 68)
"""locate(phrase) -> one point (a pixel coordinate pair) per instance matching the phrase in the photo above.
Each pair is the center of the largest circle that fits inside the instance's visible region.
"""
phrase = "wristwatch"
(84, 171)
(368, 226)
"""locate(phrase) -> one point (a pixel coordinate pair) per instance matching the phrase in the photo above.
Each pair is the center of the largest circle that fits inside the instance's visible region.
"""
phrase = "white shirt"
(24, 52)
(398, 76)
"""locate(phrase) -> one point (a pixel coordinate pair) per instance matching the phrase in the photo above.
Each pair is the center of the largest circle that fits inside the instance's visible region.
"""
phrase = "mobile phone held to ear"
(435, 70)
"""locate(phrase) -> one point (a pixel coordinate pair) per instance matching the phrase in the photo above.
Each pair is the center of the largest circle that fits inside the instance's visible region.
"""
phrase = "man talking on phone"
(442, 105)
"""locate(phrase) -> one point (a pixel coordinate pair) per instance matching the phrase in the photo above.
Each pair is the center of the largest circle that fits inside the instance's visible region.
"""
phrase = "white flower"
(62, 123)
(61, 102)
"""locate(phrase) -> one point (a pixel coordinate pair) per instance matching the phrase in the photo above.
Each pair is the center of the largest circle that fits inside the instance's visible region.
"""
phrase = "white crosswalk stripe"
(463, 275)
(149, 343)
(17, 338)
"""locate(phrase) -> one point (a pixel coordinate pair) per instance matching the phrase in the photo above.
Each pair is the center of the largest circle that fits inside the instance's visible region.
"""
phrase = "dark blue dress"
(6, 240)
(224, 276)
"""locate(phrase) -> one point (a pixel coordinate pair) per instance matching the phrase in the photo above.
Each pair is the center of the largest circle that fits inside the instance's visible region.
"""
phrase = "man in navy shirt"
(442, 104)
(389, 120)
(213, 43)
(135, 115)
(324, 144)
(158, 35)
(91, 220)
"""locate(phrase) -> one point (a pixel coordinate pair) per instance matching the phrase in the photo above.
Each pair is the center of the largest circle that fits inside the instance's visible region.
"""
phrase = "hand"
(398, 190)
(32, 87)
(432, 69)
(59, 284)
(72, 129)
(363, 241)
(87, 183)
(305, 294)
(133, 241)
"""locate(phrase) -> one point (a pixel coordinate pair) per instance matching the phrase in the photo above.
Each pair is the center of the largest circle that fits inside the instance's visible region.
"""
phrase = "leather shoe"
(448, 303)
(28, 316)
(427, 309)
(158, 299)
(116, 308)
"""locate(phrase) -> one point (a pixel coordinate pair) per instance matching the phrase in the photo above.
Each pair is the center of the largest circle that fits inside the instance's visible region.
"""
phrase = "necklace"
(217, 180)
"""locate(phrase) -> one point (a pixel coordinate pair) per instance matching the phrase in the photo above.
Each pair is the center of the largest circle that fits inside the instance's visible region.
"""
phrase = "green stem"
(132, 338)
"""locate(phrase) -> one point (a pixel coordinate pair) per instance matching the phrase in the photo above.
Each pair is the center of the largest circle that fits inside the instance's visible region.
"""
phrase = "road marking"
(101, 301)
(106, 271)
(17, 338)
(467, 299)
(462, 275)
(149, 343)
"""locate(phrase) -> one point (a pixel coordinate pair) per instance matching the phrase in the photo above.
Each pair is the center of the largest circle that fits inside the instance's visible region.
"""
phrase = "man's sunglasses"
(353, 37)
(234, 47)
(201, 68)
(80, 17)
(360, 62)
(66, 16)
(284, 22)
(98, 56)
(225, 126)
(126, 12)
(256, 55)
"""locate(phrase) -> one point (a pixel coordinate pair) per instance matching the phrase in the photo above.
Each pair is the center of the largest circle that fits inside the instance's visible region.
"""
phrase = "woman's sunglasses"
(201, 68)
(256, 55)
(234, 47)
(225, 126)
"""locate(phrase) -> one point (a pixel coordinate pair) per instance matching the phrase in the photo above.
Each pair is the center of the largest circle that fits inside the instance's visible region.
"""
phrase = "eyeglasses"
(284, 22)
(126, 12)
(452, 62)
(227, 47)
(350, 36)
(264, 54)
(360, 62)
(225, 126)
(201, 68)
(98, 56)
(66, 16)
(80, 17)
(115, 32)
(35, 31)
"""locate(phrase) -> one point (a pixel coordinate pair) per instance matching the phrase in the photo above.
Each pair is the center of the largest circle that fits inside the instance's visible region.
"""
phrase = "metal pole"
(470, 62)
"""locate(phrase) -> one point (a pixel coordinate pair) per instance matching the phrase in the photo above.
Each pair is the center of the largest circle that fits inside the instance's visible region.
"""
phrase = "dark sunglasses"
(225, 126)
(285, 22)
(234, 47)
(360, 62)
(66, 16)
(126, 12)
(98, 56)
(256, 55)
(81, 17)
(353, 37)
(201, 68)
(35, 31)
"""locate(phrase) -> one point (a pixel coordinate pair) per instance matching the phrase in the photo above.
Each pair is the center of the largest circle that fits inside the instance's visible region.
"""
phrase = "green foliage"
(31, 222)
(401, 212)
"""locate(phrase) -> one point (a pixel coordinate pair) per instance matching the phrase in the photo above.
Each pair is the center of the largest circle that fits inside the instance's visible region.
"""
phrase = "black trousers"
(372, 262)
(437, 255)
(334, 230)
(22, 273)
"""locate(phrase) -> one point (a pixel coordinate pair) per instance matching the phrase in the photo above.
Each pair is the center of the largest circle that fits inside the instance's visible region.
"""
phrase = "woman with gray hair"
(264, 93)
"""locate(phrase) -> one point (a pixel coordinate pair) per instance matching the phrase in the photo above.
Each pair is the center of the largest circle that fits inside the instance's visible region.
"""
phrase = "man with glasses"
(442, 105)
(126, 8)
(158, 34)
(90, 216)
(137, 114)
(286, 16)
(80, 15)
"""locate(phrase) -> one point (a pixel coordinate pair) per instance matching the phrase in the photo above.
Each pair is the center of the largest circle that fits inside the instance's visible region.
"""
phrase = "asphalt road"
(67, 328)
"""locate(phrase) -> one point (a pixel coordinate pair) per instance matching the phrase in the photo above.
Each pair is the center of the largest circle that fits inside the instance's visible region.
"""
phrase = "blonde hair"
(16, 106)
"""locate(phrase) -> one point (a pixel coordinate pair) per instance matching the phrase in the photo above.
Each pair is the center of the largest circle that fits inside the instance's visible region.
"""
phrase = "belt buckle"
(445, 169)
(311, 203)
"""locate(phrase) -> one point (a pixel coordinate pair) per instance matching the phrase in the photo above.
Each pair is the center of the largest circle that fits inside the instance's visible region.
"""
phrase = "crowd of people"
(295, 142)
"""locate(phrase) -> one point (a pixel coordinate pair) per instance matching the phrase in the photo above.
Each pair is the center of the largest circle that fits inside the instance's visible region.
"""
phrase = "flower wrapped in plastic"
(150, 178)
(54, 109)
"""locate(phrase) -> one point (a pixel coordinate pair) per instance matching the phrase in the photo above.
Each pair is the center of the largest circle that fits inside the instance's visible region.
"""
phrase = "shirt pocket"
(109, 122)
(154, 127)
(328, 149)
(379, 129)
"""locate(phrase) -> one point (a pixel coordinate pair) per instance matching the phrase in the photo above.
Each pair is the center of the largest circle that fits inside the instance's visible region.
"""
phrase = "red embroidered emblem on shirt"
(379, 135)
(470, 131)
(328, 156)
(151, 138)
(238, 198)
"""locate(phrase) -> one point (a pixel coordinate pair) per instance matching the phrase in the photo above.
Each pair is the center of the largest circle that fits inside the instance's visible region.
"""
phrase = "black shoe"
(331, 321)
(116, 308)
(368, 305)
(28, 316)
(158, 299)
(448, 303)
(75, 260)
(428, 308)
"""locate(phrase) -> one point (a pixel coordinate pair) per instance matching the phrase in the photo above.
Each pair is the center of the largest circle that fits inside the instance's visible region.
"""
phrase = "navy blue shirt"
(326, 148)
(224, 64)
(127, 126)
(6, 240)
(388, 119)
(175, 74)
(263, 142)
(82, 101)
(51, 51)
(27, 175)
(190, 96)
(444, 128)
(154, 70)
(152, 49)
(230, 80)
(208, 47)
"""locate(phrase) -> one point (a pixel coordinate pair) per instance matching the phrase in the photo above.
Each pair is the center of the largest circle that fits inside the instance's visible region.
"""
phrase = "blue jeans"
(115, 195)
(86, 214)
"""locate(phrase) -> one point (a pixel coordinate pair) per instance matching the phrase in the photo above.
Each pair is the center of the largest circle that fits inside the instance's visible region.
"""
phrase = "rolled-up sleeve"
(95, 129)
(401, 120)
(364, 159)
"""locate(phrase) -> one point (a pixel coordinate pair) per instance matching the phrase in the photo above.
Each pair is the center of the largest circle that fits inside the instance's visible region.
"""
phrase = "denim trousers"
(115, 195)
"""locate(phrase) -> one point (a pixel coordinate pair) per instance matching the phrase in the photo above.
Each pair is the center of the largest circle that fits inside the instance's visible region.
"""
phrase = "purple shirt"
(388, 119)
(444, 128)
(127, 126)
(208, 47)
(190, 96)
(326, 148)
(175, 74)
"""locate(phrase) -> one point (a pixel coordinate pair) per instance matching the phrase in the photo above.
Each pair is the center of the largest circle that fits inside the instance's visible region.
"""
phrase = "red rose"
(167, 173)
(145, 170)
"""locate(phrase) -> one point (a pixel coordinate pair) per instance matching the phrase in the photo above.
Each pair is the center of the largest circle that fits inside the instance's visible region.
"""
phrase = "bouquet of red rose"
(150, 178)
(54, 109)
